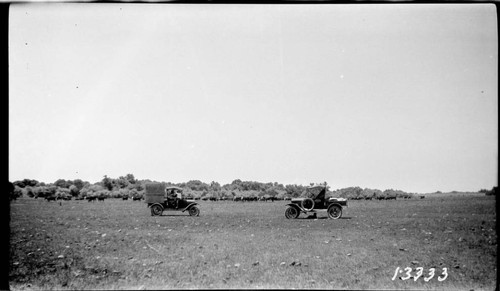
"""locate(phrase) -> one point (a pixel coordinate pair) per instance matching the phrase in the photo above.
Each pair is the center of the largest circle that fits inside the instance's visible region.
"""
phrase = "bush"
(16, 193)
(350, 193)
(370, 193)
(73, 190)
(62, 193)
(29, 191)
(124, 193)
(44, 191)
(492, 192)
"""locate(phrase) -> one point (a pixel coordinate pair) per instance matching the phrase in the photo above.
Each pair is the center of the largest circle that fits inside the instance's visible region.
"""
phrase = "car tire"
(194, 211)
(307, 204)
(334, 212)
(291, 212)
(156, 210)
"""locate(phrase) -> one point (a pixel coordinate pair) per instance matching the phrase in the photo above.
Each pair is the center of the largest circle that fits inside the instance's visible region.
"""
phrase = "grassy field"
(117, 245)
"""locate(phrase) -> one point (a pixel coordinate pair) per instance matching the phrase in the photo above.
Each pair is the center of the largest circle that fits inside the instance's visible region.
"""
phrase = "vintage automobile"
(315, 202)
(160, 198)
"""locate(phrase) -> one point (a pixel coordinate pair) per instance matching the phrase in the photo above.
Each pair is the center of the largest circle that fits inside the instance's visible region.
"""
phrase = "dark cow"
(101, 198)
(50, 198)
(250, 198)
(91, 198)
(125, 198)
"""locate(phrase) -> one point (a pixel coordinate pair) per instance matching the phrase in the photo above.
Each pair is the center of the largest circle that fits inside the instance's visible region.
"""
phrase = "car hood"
(336, 199)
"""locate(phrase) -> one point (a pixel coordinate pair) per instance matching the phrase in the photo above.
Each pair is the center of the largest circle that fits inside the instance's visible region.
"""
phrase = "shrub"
(29, 191)
(18, 192)
(492, 192)
(73, 190)
(62, 193)
(124, 193)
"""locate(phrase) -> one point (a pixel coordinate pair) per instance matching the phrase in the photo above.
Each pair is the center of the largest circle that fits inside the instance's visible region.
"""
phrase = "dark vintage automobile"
(160, 198)
(314, 202)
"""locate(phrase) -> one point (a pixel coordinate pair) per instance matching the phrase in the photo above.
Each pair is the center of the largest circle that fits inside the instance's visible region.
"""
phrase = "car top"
(172, 187)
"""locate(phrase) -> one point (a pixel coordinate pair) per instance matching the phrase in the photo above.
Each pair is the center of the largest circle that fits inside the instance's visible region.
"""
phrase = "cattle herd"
(88, 198)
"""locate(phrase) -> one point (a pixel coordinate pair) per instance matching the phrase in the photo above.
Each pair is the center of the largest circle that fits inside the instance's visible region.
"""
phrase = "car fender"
(297, 206)
(331, 204)
(189, 206)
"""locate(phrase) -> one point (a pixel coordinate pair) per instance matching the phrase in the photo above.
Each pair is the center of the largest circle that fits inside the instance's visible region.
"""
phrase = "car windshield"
(316, 193)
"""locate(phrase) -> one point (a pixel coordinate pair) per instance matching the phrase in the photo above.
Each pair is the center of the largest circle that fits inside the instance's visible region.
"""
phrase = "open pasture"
(117, 244)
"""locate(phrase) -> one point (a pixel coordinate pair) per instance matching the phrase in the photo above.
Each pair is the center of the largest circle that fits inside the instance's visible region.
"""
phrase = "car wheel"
(308, 204)
(291, 212)
(194, 211)
(156, 210)
(334, 212)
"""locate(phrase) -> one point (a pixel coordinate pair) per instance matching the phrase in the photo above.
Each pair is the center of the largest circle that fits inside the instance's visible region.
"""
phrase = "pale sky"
(378, 96)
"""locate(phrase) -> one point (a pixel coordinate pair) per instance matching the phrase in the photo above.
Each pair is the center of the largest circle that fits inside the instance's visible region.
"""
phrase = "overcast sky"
(378, 96)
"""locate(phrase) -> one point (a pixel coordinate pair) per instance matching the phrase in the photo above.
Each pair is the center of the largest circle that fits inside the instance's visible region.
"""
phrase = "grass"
(116, 244)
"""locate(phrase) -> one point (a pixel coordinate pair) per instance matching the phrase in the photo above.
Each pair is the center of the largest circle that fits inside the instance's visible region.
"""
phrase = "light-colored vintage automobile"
(316, 202)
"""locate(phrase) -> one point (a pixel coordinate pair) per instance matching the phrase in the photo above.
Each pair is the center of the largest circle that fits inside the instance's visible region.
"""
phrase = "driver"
(171, 197)
(178, 196)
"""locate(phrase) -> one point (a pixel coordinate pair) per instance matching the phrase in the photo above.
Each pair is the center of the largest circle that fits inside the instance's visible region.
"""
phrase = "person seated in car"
(171, 197)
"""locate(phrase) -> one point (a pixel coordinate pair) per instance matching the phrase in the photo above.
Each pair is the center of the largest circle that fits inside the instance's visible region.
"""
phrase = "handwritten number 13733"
(420, 271)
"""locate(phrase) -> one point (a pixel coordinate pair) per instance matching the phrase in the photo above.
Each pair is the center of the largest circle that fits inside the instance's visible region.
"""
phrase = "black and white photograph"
(157, 146)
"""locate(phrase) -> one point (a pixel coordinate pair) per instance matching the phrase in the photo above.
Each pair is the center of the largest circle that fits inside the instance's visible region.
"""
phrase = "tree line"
(128, 186)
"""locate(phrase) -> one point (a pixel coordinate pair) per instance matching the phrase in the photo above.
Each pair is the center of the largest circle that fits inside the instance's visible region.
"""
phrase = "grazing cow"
(125, 198)
(50, 198)
(422, 197)
(136, 198)
(237, 198)
(101, 198)
(91, 198)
